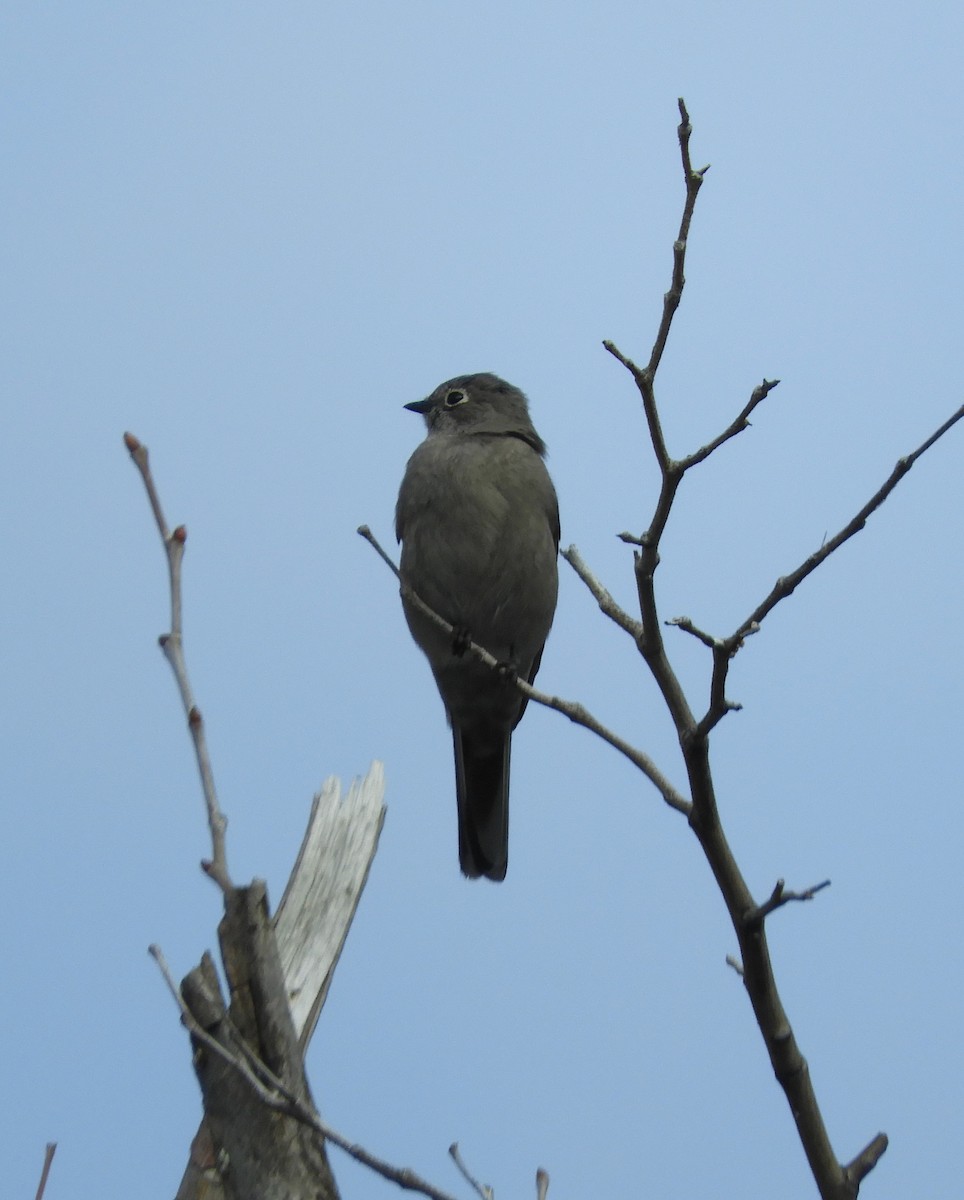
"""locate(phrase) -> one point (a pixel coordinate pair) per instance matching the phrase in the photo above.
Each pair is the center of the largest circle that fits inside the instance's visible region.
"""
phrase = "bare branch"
(542, 1184)
(138, 452)
(172, 644)
(759, 394)
(370, 538)
(721, 656)
(644, 376)
(687, 626)
(780, 896)
(581, 716)
(693, 181)
(49, 1153)
(575, 712)
(788, 583)
(724, 650)
(860, 1167)
(603, 598)
(618, 355)
(275, 1095)
(788, 1063)
(480, 1189)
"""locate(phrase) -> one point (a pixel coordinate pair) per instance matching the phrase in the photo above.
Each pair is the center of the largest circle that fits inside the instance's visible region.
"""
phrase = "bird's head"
(478, 404)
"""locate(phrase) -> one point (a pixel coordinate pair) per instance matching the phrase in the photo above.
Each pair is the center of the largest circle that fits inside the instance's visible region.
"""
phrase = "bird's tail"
(482, 787)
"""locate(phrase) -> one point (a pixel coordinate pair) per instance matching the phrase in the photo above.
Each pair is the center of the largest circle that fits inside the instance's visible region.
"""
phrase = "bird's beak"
(419, 406)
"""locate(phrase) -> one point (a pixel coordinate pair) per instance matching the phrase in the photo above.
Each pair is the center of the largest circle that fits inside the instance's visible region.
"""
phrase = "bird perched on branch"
(478, 520)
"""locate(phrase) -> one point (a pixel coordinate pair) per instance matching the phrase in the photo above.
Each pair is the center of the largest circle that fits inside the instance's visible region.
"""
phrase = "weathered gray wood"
(318, 905)
(261, 1154)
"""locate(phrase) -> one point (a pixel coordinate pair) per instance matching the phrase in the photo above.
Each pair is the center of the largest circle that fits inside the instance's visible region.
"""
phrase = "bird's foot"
(508, 672)
(461, 639)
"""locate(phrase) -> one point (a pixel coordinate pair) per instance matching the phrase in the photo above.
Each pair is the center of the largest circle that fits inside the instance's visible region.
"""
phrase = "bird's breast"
(477, 544)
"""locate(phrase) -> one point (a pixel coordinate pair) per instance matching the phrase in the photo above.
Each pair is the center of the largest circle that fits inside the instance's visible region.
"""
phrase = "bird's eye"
(454, 398)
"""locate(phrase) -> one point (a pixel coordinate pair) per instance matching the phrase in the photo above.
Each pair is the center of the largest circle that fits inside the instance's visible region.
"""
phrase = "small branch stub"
(49, 1153)
(482, 1190)
(687, 626)
(778, 897)
(861, 1166)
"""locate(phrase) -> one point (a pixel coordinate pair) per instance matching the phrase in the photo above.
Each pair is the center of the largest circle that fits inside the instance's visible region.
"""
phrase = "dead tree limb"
(261, 1137)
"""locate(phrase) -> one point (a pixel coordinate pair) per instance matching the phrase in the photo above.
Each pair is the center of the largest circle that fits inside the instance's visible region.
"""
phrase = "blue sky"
(250, 234)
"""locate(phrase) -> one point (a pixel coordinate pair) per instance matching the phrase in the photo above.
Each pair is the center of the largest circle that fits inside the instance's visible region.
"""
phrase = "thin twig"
(687, 626)
(719, 704)
(786, 585)
(273, 1099)
(370, 538)
(759, 394)
(542, 1184)
(49, 1153)
(581, 716)
(780, 896)
(860, 1167)
(480, 1189)
(671, 472)
(726, 649)
(633, 368)
(693, 181)
(576, 713)
(603, 598)
(273, 1093)
(644, 376)
(172, 644)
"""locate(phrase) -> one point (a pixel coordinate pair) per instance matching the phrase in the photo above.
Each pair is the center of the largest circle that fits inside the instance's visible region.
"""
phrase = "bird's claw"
(508, 672)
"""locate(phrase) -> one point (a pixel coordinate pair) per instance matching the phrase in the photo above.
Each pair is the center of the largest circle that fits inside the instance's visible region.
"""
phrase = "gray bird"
(478, 520)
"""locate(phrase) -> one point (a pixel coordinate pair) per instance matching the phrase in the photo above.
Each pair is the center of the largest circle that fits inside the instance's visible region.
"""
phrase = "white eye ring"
(454, 398)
